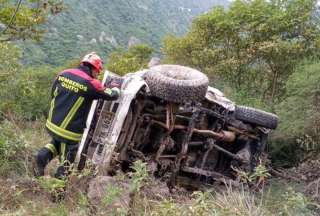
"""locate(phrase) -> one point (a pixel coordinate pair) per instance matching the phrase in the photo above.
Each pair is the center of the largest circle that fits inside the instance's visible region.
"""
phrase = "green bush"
(134, 59)
(247, 98)
(12, 149)
(24, 91)
(298, 133)
(26, 94)
(251, 45)
(300, 112)
(284, 151)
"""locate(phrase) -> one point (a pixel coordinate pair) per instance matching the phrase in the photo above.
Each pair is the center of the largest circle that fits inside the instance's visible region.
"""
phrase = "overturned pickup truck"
(168, 117)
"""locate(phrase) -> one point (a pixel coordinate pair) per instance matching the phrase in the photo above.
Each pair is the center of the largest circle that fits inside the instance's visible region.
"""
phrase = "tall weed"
(12, 147)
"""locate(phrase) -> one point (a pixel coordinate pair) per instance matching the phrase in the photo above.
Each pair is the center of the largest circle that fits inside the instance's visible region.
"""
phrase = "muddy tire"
(177, 83)
(257, 117)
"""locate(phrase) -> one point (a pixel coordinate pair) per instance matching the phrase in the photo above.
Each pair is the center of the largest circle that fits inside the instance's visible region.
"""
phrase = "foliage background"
(261, 53)
(104, 26)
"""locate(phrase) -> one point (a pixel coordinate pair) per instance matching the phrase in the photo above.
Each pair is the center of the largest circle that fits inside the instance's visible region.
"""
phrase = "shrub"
(300, 110)
(26, 94)
(284, 151)
(299, 113)
(12, 147)
(229, 202)
(19, 141)
(134, 59)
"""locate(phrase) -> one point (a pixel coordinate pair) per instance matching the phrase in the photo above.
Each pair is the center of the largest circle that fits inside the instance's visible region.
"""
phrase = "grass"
(21, 194)
(18, 144)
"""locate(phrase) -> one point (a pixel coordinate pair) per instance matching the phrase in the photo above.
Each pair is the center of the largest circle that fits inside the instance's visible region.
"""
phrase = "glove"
(109, 91)
(116, 89)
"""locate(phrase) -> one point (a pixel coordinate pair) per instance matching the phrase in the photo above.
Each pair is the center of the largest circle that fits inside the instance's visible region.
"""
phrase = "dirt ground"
(308, 173)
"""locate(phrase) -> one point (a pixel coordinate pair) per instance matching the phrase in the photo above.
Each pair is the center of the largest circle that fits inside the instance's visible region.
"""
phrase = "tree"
(253, 46)
(298, 137)
(9, 57)
(134, 59)
(23, 92)
(24, 19)
(300, 110)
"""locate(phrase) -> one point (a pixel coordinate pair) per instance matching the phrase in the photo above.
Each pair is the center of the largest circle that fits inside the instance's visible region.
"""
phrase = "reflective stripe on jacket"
(72, 94)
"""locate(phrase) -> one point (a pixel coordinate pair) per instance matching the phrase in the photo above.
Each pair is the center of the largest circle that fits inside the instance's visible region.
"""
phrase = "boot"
(44, 156)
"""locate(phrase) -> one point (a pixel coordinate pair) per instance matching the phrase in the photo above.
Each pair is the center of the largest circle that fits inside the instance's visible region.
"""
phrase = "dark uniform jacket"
(72, 94)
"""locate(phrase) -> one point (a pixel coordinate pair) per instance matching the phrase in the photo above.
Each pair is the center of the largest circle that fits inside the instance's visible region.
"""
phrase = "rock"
(154, 61)
(185, 9)
(93, 40)
(80, 37)
(2, 26)
(107, 191)
(54, 30)
(111, 40)
(102, 36)
(142, 6)
(133, 41)
(156, 190)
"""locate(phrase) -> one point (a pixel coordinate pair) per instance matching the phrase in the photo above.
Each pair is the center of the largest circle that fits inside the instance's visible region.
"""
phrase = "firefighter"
(72, 94)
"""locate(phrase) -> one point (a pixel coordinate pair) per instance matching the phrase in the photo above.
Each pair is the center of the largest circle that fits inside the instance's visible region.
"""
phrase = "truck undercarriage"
(202, 141)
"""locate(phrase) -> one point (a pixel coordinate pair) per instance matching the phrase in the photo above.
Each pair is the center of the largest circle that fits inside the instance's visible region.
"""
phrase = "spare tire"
(256, 116)
(177, 83)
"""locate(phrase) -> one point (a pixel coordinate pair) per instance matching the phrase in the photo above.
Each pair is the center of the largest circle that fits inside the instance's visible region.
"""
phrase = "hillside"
(262, 54)
(105, 25)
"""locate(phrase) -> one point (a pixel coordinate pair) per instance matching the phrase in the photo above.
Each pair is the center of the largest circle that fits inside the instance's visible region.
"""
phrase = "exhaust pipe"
(226, 136)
